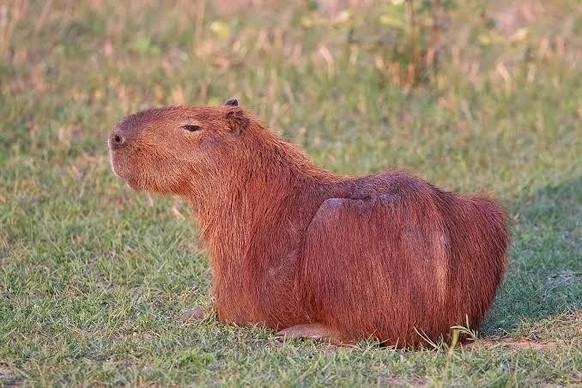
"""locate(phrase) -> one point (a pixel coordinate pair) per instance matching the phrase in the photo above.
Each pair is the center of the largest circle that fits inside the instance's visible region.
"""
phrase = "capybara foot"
(194, 314)
(311, 331)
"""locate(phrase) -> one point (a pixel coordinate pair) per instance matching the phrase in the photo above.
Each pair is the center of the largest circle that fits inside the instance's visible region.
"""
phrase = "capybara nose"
(116, 139)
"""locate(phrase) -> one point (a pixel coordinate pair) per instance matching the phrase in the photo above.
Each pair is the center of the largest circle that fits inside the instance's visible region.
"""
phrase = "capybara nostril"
(116, 140)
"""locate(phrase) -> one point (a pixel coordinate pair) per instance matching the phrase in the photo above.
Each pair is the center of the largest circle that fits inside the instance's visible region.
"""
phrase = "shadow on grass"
(545, 273)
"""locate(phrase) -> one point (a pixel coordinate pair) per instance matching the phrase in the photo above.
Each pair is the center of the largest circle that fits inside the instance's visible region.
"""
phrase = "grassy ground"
(92, 275)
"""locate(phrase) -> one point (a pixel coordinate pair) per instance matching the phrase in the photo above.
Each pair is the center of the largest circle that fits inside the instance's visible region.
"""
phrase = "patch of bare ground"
(8, 377)
(514, 343)
(549, 334)
(400, 381)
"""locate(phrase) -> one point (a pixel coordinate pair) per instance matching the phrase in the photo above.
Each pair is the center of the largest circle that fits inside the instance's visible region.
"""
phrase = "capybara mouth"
(119, 164)
(122, 166)
(121, 170)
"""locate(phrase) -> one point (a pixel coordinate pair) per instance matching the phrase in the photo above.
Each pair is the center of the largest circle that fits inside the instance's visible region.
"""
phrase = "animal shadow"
(545, 273)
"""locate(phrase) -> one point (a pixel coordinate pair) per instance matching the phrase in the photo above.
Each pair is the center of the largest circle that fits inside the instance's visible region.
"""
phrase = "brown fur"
(296, 248)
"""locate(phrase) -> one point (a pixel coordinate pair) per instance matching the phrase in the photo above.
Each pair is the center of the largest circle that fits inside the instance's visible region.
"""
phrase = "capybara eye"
(191, 127)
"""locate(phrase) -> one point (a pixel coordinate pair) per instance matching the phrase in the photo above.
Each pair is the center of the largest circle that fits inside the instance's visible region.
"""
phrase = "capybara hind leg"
(194, 314)
(311, 331)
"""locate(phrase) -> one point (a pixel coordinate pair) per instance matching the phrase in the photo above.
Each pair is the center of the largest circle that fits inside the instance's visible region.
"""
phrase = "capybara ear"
(231, 102)
(237, 121)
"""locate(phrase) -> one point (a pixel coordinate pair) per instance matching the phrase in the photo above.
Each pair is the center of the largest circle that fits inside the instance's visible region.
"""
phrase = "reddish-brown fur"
(314, 254)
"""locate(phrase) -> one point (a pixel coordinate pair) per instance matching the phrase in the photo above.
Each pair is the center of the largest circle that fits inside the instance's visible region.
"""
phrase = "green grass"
(93, 275)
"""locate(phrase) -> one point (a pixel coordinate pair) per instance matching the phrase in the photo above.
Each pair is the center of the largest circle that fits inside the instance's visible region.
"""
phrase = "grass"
(92, 275)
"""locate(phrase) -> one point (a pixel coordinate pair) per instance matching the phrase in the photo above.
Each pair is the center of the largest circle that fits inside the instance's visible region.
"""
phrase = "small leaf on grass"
(220, 29)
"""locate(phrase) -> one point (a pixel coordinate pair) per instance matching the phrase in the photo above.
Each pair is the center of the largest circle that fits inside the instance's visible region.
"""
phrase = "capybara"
(309, 253)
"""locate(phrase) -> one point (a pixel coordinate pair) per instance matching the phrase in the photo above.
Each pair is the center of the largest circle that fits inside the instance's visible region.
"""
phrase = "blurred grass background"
(471, 95)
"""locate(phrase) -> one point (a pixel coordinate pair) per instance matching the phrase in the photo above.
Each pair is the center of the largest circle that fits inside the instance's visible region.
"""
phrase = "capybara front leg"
(311, 331)
(195, 314)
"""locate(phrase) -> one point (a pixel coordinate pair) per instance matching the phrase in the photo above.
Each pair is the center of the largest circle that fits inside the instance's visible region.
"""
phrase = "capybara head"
(165, 150)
